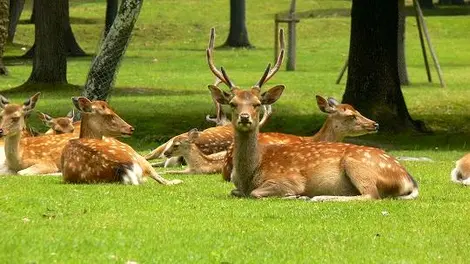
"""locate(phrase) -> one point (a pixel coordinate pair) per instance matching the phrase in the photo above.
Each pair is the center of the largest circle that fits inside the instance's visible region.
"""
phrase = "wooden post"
(428, 40)
(423, 47)
(290, 65)
(276, 36)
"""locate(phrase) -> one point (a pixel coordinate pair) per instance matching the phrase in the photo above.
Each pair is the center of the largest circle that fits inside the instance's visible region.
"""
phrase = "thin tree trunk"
(238, 35)
(104, 66)
(49, 61)
(402, 70)
(16, 8)
(4, 8)
(111, 12)
(373, 85)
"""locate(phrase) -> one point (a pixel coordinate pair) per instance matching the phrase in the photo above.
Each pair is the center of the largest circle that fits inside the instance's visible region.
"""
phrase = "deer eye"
(352, 117)
(233, 105)
(256, 105)
(15, 119)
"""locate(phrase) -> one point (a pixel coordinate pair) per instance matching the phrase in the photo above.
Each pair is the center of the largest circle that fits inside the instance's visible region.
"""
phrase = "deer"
(198, 163)
(60, 125)
(320, 171)
(28, 155)
(461, 173)
(96, 156)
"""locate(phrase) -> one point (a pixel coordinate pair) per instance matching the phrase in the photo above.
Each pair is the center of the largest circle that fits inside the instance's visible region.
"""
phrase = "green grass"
(161, 90)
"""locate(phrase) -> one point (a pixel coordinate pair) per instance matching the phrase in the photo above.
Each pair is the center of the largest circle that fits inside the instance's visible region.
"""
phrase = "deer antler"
(267, 112)
(269, 73)
(222, 76)
(221, 118)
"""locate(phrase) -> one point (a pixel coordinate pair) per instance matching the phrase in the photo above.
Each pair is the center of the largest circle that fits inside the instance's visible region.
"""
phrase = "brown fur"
(461, 173)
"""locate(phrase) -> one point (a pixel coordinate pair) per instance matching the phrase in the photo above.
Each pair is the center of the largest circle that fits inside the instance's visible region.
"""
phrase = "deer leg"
(466, 181)
(185, 171)
(173, 162)
(40, 168)
(149, 170)
(271, 189)
(156, 153)
(331, 198)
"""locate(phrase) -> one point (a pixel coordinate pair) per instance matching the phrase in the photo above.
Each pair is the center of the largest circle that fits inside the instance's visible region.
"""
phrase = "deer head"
(13, 115)
(101, 119)
(245, 104)
(182, 144)
(59, 125)
(345, 119)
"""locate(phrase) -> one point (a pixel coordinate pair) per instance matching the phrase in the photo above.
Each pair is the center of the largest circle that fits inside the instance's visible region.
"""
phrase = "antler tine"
(267, 112)
(280, 59)
(263, 78)
(210, 60)
(227, 80)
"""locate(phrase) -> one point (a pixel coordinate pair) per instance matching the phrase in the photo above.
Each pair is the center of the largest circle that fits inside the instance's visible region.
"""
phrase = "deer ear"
(272, 95)
(82, 104)
(3, 101)
(325, 105)
(71, 114)
(219, 96)
(29, 104)
(45, 118)
(332, 101)
(193, 134)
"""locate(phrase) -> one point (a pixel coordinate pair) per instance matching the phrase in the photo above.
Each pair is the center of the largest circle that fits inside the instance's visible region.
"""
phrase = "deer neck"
(328, 133)
(246, 160)
(13, 152)
(86, 130)
(197, 159)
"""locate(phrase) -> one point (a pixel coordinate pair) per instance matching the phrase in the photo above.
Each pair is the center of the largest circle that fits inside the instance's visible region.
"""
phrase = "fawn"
(93, 159)
(461, 172)
(60, 125)
(322, 171)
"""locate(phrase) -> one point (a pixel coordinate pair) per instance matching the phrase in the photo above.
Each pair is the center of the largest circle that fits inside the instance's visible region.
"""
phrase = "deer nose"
(131, 129)
(244, 117)
(1, 132)
(376, 126)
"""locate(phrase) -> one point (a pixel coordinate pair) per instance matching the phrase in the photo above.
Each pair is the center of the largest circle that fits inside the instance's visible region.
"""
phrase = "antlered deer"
(29, 155)
(92, 158)
(198, 163)
(461, 172)
(324, 171)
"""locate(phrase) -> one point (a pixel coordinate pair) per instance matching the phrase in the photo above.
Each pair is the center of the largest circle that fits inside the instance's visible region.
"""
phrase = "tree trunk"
(238, 35)
(104, 66)
(4, 7)
(71, 46)
(16, 8)
(50, 61)
(402, 71)
(373, 85)
(111, 12)
(32, 18)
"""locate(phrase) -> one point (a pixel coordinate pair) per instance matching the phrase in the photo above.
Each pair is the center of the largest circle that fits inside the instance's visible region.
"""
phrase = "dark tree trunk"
(402, 71)
(50, 61)
(238, 35)
(71, 46)
(4, 7)
(373, 85)
(32, 19)
(111, 12)
(104, 66)
(427, 4)
(16, 8)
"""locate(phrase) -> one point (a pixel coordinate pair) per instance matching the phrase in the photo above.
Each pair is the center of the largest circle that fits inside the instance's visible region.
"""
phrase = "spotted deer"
(321, 171)
(28, 155)
(60, 125)
(92, 158)
(198, 163)
(461, 173)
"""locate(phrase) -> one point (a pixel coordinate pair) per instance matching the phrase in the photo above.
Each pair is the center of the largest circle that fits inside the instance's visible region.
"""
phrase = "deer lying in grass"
(322, 171)
(30, 155)
(461, 173)
(60, 125)
(92, 158)
(198, 163)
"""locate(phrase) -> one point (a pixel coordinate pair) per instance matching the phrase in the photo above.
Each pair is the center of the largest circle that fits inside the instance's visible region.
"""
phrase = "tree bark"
(49, 61)
(427, 4)
(4, 7)
(71, 46)
(238, 35)
(104, 66)
(16, 8)
(402, 70)
(111, 12)
(373, 85)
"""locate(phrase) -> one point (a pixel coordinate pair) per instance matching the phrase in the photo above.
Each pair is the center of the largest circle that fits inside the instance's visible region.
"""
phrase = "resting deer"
(92, 158)
(60, 125)
(461, 173)
(198, 163)
(29, 155)
(322, 171)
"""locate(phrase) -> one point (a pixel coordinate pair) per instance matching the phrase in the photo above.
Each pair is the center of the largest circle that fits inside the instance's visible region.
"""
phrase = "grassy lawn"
(161, 89)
